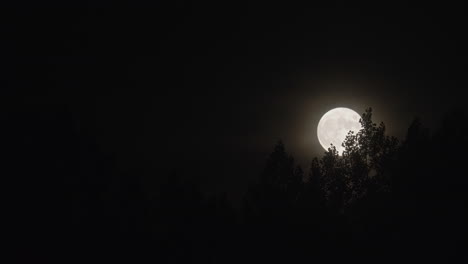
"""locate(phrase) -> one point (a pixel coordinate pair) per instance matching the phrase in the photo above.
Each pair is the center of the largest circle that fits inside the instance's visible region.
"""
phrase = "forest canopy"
(381, 197)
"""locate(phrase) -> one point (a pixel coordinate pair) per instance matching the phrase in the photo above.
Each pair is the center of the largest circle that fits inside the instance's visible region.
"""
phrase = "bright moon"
(335, 125)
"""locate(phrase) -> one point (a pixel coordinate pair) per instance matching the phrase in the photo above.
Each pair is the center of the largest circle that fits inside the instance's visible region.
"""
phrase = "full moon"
(335, 125)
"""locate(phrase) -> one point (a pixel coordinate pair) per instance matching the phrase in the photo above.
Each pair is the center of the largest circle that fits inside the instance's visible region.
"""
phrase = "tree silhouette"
(279, 186)
(379, 198)
(363, 169)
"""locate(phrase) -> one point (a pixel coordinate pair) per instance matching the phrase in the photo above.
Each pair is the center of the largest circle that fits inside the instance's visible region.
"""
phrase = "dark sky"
(211, 87)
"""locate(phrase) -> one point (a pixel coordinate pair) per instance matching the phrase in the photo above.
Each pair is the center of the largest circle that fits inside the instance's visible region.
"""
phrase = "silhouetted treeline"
(381, 200)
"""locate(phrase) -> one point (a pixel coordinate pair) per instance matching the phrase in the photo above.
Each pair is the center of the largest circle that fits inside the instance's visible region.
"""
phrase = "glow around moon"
(335, 125)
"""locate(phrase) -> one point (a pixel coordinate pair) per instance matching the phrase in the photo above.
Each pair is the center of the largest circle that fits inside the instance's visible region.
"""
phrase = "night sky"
(209, 88)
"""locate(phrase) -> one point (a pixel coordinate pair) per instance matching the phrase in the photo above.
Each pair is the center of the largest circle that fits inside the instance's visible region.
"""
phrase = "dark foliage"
(381, 201)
